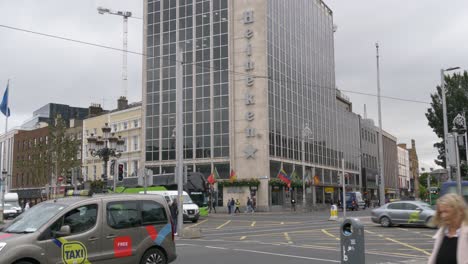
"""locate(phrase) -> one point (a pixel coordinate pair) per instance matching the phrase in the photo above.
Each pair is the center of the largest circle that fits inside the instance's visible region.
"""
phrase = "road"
(297, 238)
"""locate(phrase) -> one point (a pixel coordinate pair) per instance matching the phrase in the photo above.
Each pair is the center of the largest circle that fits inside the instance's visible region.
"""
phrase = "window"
(125, 149)
(135, 123)
(153, 213)
(125, 125)
(135, 168)
(395, 206)
(79, 220)
(114, 127)
(135, 142)
(123, 215)
(94, 172)
(95, 131)
(409, 206)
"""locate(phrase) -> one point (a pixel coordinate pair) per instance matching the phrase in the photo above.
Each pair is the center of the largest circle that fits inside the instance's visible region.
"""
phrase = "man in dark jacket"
(174, 213)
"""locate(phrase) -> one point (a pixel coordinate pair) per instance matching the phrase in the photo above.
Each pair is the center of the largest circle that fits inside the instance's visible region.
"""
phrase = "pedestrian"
(254, 204)
(213, 206)
(26, 206)
(451, 240)
(249, 205)
(229, 206)
(174, 212)
(237, 207)
(293, 204)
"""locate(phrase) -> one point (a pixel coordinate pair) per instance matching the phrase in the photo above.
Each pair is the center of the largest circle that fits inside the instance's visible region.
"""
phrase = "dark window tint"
(80, 219)
(395, 206)
(409, 206)
(123, 214)
(153, 213)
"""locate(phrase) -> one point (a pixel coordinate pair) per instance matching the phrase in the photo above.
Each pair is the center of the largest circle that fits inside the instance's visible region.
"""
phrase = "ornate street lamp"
(106, 147)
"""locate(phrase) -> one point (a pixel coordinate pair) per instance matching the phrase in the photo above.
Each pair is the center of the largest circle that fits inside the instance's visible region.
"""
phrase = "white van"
(191, 210)
(12, 208)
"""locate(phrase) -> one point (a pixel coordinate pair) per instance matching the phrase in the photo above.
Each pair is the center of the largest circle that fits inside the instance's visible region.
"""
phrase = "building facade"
(49, 112)
(390, 156)
(7, 156)
(403, 171)
(125, 123)
(258, 95)
(370, 158)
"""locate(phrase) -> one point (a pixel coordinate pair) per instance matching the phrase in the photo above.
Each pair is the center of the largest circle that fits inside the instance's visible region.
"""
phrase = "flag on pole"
(294, 175)
(214, 176)
(283, 176)
(232, 176)
(4, 105)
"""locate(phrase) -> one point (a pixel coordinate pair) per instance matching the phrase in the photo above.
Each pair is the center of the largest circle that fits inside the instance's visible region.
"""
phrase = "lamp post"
(305, 133)
(105, 147)
(444, 112)
(459, 125)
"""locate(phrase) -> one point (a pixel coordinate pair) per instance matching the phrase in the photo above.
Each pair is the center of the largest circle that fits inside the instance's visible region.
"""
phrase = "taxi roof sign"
(79, 193)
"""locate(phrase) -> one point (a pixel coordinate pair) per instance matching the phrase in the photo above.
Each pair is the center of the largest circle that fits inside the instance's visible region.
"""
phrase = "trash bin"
(352, 242)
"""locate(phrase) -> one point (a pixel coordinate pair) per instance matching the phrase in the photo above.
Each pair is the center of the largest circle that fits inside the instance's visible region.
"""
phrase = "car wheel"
(194, 220)
(385, 221)
(153, 256)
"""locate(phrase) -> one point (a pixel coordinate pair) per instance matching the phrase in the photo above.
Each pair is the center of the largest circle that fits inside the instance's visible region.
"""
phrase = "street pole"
(179, 139)
(429, 188)
(344, 188)
(303, 170)
(444, 113)
(381, 159)
(459, 186)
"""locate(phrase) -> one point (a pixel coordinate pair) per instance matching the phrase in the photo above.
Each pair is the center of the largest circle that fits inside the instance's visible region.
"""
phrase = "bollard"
(333, 213)
(352, 242)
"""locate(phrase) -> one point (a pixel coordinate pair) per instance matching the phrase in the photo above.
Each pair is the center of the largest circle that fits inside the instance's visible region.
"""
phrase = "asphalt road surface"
(297, 238)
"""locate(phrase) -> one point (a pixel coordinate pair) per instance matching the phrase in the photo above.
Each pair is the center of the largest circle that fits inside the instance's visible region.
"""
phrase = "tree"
(63, 149)
(456, 87)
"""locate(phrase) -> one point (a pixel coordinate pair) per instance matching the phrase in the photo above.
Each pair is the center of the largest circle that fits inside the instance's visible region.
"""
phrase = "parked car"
(403, 213)
(102, 229)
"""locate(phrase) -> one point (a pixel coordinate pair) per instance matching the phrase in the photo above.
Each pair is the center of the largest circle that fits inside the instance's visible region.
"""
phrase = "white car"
(191, 210)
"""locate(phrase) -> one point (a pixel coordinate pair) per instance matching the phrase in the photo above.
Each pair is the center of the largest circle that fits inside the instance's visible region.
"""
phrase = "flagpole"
(4, 172)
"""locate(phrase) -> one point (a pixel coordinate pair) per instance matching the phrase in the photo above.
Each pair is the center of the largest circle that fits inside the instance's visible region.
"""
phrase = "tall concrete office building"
(256, 76)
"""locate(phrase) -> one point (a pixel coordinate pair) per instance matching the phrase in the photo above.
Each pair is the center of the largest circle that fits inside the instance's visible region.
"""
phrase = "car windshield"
(187, 199)
(34, 218)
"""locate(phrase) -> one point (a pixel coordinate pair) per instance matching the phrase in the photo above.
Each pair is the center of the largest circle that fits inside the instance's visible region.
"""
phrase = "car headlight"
(2, 245)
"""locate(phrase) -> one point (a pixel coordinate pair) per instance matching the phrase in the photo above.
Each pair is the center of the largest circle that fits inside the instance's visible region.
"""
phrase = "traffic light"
(121, 170)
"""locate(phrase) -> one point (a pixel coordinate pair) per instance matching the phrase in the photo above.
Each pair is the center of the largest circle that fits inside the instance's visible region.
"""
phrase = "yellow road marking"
(242, 237)
(282, 223)
(408, 245)
(253, 223)
(221, 226)
(199, 223)
(286, 236)
(328, 234)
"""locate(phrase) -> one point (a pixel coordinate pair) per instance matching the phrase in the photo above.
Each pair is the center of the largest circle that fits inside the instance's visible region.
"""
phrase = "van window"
(123, 214)
(153, 213)
(80, 219)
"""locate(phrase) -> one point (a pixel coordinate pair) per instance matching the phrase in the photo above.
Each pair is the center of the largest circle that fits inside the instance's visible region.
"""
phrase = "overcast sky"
(417, 38)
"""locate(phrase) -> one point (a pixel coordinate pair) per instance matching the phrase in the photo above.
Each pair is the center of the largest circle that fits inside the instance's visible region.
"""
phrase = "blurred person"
(174, 212)
(451, 240)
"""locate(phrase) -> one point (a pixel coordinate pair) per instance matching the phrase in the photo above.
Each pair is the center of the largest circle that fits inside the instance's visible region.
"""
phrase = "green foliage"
(240, 183)
(97, 186)
(423, 192)
(294, 183)
(456, 86)
(423, 180)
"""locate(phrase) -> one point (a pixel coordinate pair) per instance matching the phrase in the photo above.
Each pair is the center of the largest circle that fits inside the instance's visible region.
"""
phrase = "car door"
(122, 230)
(394, 210)
(82, 245)
(412, 214)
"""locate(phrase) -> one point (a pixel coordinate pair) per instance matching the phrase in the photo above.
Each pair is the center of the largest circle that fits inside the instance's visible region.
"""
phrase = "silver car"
(403, 213)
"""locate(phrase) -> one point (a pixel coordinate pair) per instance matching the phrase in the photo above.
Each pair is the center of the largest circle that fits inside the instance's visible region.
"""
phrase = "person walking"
(451, 240)
(249, 205)
(293, 204)
(213, 206)
(237, 207)
(26, 206)
(174, 212)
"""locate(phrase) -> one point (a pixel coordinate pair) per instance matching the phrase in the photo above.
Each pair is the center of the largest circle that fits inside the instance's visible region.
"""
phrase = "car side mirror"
(64, 231)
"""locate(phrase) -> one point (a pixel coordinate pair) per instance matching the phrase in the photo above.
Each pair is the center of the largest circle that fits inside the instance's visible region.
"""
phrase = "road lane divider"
(286, 236)
(223, 225)
(408, 245)
(199, 223)
(329, 234)
(253, 224)
(242, 237)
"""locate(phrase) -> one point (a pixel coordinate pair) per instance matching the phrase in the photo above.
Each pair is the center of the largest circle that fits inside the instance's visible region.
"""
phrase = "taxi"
(91, 229)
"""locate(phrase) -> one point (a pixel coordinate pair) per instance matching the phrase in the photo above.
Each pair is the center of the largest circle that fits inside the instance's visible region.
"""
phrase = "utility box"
(352, 242)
